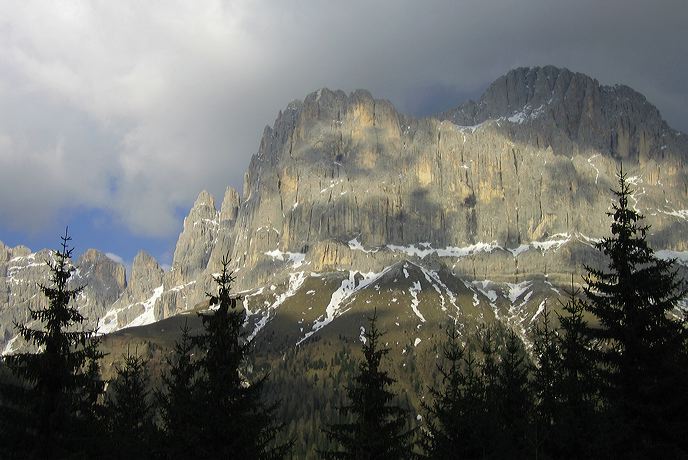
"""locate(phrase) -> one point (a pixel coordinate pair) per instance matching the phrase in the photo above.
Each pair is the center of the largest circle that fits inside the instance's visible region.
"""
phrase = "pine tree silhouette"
(178, 400)
(377, 427)
(546, 386)
(644, 343)
(575, 430)
(457, 412)
(129, 410)
(235, 421)
(514, 404)
(490, 425)
(61, 379)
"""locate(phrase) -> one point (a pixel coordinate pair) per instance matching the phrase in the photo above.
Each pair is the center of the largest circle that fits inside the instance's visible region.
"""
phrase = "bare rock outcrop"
(511, 187)
(138, 303)
(534, 159)
(21, 271)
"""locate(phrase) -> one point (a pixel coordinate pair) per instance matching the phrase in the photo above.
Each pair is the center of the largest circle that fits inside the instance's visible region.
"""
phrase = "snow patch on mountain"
(414, 290)
(482, 287)
(517, 290)
(356, 245)
(148, 315)
(9, 347)
(539, 311)
(109, 322)
(554, 243)
(681, 213)
(349, 286)
(680, 256)
(296, 258)
(434, 279)
(296, 280)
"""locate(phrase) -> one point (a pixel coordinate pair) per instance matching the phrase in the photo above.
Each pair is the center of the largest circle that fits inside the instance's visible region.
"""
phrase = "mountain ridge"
(505, 188)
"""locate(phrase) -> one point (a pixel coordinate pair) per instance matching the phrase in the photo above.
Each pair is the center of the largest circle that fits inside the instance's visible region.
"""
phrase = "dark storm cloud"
(134, 107)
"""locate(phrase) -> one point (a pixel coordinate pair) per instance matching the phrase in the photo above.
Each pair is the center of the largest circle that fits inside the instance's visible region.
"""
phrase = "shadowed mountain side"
(614, 120)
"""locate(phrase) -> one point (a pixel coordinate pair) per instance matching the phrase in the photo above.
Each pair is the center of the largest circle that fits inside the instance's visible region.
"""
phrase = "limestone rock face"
(137, 304)
(146, 275)
(507, 189)
(229, 213)
(104, 281)
(196, 240)
(573, 113)
(230, 208)
(340, 181)
(22, 270)
(534, 158)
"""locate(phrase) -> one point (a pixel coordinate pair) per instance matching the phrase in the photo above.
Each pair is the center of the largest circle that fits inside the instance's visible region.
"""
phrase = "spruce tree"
(58, 390)
(377, 426)
(489, 424)
(546, 387)
(456, 414)
(513, 398)
(178, 399)
(235, 422)
(90, 423)
(129, 410)
(644, 343)
(17, 433)
(565, 386)
(576, 427)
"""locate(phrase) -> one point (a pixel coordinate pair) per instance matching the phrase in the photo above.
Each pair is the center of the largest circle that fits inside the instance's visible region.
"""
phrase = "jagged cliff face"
(533, 159)
(21, 270)
(511, 189)
(574, 114)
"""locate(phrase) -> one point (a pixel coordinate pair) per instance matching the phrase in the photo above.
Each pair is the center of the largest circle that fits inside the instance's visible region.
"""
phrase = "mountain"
(483, 211)
(21, 270)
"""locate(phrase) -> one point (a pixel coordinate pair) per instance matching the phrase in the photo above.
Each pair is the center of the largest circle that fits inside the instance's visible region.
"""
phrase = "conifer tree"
(17, 432)
(514, 402)
(443, 415)
(456, 414)
(90, 423)
(489, 373)
(577, 423)
(235, 421)
(129, 410)
(377, 426)
(178, 399)
(58, 388)
(546, 386)
(644, 344)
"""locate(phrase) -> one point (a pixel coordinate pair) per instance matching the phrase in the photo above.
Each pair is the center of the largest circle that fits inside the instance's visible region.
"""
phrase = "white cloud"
(114, 257)
(134, 107)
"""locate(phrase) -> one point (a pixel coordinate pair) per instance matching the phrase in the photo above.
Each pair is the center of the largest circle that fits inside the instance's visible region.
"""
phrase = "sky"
(114, 115)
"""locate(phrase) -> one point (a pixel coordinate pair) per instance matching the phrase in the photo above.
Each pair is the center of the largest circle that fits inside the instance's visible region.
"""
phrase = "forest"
(606, 377)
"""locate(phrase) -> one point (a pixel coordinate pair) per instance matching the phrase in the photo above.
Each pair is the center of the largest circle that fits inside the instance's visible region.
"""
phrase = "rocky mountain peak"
(202, 212)
(136, 305)
(91, 255)
(142, 263)
(4, 252)
(102, 275)
(572, 112)
(205, 203)
(146, 274)
(7, 252)
(343, 187)
(196, 240)
(230, 207)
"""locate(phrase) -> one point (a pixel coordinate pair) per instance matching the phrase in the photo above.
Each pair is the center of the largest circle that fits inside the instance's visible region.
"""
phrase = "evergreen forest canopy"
(607, 377)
